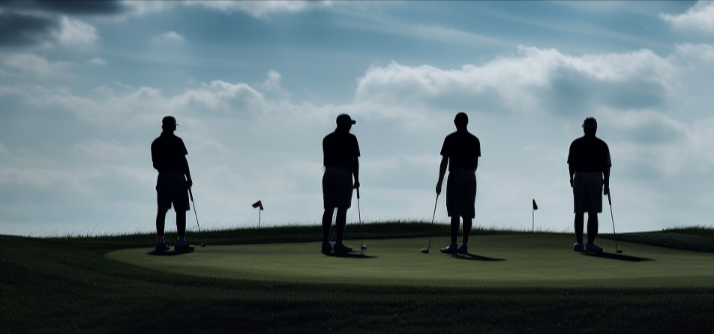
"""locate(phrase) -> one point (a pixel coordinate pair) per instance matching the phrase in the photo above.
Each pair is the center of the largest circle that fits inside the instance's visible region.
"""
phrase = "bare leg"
(592, 227)
(160, 222)
(579, 227)
(455, 222)
(340, 223)
(181, 223)
(326, 223)
(467, 230)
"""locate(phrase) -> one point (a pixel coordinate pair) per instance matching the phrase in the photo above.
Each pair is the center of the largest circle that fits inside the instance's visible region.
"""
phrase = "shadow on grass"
(618, 257)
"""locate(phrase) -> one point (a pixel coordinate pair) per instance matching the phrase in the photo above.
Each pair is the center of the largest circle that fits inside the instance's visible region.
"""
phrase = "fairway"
(531, 260)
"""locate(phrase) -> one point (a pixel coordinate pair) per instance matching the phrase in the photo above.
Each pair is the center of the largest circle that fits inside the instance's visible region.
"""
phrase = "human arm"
(355, 171)
(187, 172)
(571, 169)
(442, 172)
(606, 180)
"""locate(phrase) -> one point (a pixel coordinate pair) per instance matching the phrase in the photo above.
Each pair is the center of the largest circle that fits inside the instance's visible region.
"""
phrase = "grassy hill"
(66, 284)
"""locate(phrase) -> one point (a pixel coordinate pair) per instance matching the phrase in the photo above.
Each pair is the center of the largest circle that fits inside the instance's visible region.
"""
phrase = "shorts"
(337, 188)
(461, 193)
(172, 188)
(587, 192)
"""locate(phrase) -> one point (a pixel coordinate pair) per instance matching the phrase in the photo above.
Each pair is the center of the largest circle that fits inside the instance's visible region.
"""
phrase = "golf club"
(426, 250)
(609, 201)
(362, 246)
(203, 244)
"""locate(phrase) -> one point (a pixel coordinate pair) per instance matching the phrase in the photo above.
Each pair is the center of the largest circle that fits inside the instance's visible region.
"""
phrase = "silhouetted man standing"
(341, 153)
(589, 161)
(168, 154)
(460, 153)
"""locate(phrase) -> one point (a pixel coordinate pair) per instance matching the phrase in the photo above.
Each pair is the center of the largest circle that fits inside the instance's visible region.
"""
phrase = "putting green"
(531, 260)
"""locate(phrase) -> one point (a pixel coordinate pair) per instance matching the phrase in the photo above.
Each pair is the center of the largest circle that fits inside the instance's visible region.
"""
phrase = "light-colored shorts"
(172, 188)
(587, 192)
(461, 193)
(337, 188)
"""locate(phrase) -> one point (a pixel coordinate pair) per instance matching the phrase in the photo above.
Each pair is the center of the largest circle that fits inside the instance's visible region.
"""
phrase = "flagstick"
(533, 220)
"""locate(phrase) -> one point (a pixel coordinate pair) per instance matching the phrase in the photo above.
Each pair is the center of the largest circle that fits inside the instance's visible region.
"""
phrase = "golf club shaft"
(359, 215)
(609, 202)
(432, 219)
(194, 209)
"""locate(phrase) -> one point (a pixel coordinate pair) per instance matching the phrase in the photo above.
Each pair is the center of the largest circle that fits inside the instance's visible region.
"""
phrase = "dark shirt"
(340, 149)
(463, 149)
(589, 154)
(168, 153)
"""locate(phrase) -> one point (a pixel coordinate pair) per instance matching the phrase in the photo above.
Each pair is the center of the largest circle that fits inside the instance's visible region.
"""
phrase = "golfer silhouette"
(589, 166)
(460, 152)
(340, 158)
(168, 153)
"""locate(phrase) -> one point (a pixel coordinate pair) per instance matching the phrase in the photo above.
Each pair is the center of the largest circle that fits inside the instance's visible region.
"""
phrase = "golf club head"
(203, 244)
(619, 251)
(425, 250)
(363, 246)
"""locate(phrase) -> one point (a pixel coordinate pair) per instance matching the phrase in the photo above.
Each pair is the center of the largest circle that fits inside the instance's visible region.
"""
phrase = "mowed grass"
(531, 260)
(69, 285)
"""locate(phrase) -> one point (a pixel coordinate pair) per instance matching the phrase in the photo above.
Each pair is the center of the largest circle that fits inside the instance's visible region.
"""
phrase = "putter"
(362, 246)
(426, 250)
(609, 201)
(203, 244)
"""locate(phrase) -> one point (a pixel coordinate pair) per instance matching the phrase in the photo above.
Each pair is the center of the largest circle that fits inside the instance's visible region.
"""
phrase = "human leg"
(579, 219)
(181, 223)
(160, 221)
(340, 222)
(326, 224)
(455, 223)
(592, 226)
(467, 230)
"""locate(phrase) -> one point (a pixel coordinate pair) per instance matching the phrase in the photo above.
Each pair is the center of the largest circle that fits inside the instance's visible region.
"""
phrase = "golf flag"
(260, 204)
(535, 206)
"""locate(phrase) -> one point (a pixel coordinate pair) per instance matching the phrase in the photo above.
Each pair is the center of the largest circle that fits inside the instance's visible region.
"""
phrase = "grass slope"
(533, 260)
(63, 285)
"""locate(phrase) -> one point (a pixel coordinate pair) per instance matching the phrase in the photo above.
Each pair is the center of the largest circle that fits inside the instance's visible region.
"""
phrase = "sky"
(255, 86)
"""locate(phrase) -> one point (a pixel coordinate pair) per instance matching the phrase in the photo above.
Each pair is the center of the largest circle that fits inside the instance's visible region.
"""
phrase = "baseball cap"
(169, 120)
(590, 123)
(345, 119)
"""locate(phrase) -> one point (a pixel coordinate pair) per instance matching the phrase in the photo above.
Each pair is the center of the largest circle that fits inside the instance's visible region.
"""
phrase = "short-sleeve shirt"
(340, 149)
(167, 153)
(463, 149)
(589, 154)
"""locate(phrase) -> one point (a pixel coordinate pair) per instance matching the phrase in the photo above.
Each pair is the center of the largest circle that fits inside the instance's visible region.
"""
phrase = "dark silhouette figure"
(168, 154)
(460, 153)
(589, 163)
(341, 153)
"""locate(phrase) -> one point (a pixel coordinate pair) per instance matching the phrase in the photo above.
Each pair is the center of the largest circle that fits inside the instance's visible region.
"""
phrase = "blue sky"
(255, 87)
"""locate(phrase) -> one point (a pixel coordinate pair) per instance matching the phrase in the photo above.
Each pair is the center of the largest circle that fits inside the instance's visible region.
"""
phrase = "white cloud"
(519, 81)
(96, 61)
(31, 64)
(73, 32)
(260, 9)
(699, 17)
(169, 37)
(697, 51)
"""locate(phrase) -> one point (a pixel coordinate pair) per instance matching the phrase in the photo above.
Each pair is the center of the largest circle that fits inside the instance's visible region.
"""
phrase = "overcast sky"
(255, 86)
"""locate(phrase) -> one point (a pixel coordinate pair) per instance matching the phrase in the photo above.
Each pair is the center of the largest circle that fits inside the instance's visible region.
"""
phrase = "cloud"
(26, 30)
(96, 61)
(703, 52)
(169, 37)
(520, 82)
(67, 7)
(19, 29)
(31, 64)
(699, 17)
(76, 33)
(260, 9)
